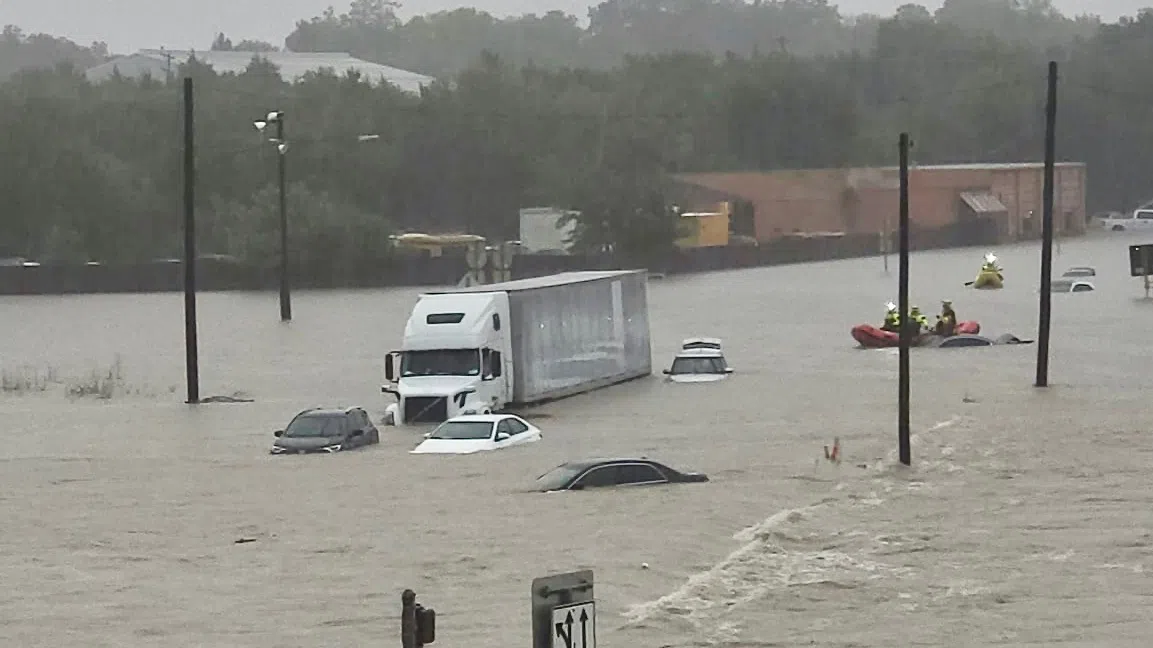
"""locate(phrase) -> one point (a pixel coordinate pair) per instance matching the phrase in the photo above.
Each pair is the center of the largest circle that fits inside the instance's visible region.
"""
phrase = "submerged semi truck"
(481, 349)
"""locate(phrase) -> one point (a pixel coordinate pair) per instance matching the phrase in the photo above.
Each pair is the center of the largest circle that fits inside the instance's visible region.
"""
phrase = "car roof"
(700, 353)
(480, 418)
(701, 340)
(327, 411)
(589, 463)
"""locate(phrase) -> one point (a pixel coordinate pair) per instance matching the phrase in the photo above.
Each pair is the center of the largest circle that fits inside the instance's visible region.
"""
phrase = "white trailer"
(481, 349)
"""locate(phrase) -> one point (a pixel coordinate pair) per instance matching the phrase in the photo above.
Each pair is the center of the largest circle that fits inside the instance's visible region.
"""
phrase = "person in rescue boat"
(947, 320)
(892, 321)
(918, 318)
(990, 264)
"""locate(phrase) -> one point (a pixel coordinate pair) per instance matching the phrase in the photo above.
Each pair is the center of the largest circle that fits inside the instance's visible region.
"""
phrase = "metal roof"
(985, 166)
(562, 279)
(983, 202)
(292, 65)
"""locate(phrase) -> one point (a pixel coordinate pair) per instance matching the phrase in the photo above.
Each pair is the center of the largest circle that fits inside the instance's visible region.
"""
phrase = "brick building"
(978, 203)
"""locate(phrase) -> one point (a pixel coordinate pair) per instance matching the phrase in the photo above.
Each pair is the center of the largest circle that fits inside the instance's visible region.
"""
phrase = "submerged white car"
(699, 360)
(478, 433)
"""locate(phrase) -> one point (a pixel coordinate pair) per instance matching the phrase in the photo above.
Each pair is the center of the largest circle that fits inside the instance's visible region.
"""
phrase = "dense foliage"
(93, 171)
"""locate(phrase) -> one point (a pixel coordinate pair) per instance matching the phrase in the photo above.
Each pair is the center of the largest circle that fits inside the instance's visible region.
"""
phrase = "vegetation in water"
(102, 383)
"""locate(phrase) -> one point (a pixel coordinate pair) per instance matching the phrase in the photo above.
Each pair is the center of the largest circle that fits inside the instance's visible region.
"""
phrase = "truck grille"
(425, 409)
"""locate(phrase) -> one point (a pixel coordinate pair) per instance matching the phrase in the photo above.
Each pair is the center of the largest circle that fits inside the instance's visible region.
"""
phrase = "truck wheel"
(1118, 228)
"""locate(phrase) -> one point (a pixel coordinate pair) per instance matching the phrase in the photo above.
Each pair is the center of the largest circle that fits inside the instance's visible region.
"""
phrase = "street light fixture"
(277, 117)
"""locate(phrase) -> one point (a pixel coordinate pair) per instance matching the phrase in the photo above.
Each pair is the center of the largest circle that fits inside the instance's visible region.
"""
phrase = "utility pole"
(906, 332)
(282, 153)
(191, 354)
(1047, 230)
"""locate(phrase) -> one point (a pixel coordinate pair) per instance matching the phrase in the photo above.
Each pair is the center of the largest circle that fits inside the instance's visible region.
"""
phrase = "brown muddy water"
(1026, 519)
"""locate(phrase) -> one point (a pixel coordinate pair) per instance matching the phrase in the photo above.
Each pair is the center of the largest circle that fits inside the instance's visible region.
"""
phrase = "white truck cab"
(456, 358)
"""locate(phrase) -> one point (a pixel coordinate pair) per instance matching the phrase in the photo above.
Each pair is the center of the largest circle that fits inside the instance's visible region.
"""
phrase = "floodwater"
(1026, 518)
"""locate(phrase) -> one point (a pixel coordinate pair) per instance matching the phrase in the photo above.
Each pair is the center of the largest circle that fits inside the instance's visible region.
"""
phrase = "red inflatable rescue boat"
(872, 337)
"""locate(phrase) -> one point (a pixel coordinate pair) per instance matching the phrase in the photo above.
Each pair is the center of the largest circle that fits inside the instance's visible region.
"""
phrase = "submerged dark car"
(326, 430)
(599, 473)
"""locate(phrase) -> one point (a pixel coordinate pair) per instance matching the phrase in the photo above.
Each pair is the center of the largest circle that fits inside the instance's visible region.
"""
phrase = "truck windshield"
(441, 362)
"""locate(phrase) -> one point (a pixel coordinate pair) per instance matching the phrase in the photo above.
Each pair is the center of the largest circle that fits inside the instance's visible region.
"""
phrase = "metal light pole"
(904, 447)
(277, 117)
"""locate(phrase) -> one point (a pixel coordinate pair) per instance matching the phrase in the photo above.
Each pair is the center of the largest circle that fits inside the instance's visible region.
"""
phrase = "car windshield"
(558, 477)
(698, 366)
(441, 362)
(463, 430)
(314, 426)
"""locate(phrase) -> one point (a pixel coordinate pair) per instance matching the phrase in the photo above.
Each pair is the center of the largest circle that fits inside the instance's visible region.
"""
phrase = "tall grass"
(26, 379)
(103, 383)
(99, 383)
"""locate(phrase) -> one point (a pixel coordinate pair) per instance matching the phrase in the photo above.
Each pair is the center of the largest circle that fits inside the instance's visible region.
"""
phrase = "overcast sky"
(128, 25)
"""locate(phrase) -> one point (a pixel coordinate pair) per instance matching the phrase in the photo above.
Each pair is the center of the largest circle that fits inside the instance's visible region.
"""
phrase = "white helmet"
(990, 258)
(891, 306)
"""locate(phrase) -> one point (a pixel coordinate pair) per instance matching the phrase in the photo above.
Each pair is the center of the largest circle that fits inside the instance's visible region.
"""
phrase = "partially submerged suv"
(699, 360)
(326, 430)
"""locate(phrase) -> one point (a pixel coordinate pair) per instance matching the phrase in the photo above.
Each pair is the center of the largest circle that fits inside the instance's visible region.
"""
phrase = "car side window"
(516, 427)
(639, 474)
(495, 363)
(598, 477)
(502, 427)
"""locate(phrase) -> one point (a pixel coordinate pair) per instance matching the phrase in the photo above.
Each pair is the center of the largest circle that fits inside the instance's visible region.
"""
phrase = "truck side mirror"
(389, 367)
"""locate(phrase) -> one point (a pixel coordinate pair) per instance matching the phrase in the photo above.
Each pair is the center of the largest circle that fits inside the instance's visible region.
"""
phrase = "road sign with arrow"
(564, 611)
(575, 626)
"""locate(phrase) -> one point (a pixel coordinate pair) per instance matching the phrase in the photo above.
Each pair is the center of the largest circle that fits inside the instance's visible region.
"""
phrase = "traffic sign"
(564, 611)
(575, 626)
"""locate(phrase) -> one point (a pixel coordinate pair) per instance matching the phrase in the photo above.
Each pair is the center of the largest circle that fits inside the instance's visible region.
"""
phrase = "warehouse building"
(974, 203)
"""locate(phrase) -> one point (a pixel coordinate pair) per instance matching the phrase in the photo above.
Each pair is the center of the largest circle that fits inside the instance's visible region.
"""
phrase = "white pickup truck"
(1139, 220)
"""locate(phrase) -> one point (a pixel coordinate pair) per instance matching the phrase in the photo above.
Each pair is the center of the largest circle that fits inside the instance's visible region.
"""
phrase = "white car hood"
(435, 385)
(453, 446)
(697, 378)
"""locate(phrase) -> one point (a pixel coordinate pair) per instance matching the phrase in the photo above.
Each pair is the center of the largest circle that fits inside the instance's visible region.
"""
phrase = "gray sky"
(128, 25)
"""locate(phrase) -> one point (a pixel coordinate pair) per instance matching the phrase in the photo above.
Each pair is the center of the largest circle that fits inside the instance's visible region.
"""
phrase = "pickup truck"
(1138, 220)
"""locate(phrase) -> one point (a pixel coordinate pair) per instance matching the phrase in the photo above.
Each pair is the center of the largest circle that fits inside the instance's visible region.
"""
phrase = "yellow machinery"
(705, 229)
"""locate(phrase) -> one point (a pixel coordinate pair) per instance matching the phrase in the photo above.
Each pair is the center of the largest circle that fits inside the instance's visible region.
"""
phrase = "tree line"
(93, 171)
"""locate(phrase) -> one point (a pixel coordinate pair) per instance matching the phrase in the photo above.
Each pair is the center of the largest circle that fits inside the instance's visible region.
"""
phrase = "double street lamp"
(277, 117)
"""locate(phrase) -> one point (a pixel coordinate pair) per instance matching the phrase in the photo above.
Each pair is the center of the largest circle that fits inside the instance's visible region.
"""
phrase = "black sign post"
(564, 611)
